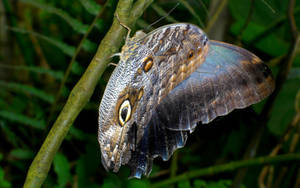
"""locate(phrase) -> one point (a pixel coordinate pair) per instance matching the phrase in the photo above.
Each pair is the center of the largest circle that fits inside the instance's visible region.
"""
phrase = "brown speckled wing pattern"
(172, 78)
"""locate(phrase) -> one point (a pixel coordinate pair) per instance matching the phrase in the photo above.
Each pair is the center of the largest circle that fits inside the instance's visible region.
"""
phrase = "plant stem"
(215, 16)
(266, 111)
(229, 167)
(69, 68)
(83, 90)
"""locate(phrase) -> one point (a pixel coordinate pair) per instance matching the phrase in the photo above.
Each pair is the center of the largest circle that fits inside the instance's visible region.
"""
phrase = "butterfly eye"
(191, 54)
(124, 112)
(148, 62)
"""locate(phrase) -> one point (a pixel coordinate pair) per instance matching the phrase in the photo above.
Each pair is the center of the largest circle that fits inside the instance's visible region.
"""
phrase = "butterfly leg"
(115, 55)
(112, 64)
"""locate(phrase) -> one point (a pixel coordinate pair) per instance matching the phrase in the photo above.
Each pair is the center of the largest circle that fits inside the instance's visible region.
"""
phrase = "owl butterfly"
(165, 83)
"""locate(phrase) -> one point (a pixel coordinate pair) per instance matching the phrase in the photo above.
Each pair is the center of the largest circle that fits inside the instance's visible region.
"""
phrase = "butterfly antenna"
(170, 11)
(125, 26)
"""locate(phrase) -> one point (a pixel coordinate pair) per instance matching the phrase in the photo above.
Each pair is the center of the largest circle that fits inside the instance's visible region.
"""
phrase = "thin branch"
(174, 165)
(297, 183)
(69, 68)
(213, 19)
(83, 90)
(297, 101)
(286, 136)
(229, 167)
(248, 19)
(159, 174)
(292, 18)
(266, 112)
(281, 77)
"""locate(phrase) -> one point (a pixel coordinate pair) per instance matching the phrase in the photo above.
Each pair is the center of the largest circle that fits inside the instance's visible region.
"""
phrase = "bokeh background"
(45, 46)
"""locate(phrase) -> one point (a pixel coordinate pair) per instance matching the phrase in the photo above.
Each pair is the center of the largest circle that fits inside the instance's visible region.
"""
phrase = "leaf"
(91, 6)
(111, 181)
(38, 70)
(284, 110)
(9, 134)
(89, 46)
(3, 182)
(22, 154)
(262, 14)
(184, 184)
(20, 118)
(83, 173)
(16, 87)
(220, 184)
(294, 73)
(87, 165)
(134, 183)
(79, 134)
(62, 169)
(235, 142)
(77, 69)
(270, 44)
(17, 104)
(200, 184)
(67, 49)
(75, 24)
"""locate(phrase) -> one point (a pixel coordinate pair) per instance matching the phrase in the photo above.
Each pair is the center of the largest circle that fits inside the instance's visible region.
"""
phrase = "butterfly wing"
(156, 141)
(230, 78)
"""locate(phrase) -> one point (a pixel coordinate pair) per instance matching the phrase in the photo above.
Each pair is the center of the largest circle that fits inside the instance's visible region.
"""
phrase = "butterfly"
(165, 83)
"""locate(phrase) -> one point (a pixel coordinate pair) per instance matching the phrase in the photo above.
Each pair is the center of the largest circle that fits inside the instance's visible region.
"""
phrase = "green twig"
(266, 111)
(229, 167)
(174, 165)
(247, 21)
(215, 16)
(297, 102)
(83, 90)
(69, 68)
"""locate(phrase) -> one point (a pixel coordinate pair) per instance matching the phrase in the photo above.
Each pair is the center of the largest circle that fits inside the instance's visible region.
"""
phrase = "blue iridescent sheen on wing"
(230, 78)
(166, 82)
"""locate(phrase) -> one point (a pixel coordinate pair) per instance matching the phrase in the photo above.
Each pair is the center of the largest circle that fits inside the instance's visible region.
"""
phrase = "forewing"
(230, 78)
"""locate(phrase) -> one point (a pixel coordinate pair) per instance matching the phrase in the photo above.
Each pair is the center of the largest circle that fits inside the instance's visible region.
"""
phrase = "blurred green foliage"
(38, 40)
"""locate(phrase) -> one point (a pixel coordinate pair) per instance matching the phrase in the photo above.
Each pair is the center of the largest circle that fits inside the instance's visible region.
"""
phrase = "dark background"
(38, 38)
